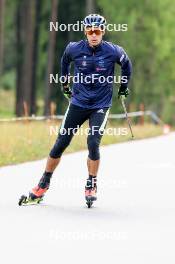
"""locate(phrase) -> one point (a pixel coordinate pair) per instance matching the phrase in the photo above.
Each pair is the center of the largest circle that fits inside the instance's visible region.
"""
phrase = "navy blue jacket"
(99, 62)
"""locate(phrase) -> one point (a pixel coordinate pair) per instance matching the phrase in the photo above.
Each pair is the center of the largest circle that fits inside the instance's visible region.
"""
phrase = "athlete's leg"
(52, 164)
(74, 117)
(93, 166)
(97, 123)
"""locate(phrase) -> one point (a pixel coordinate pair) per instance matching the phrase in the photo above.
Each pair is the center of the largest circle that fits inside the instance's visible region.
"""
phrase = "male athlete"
(90, 98)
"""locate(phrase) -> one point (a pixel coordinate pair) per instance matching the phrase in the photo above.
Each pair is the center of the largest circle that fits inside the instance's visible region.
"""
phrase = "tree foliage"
(149, 42)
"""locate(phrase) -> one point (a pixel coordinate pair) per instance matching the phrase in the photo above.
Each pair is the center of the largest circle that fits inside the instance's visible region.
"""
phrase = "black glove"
(67, 92)
(123, 92)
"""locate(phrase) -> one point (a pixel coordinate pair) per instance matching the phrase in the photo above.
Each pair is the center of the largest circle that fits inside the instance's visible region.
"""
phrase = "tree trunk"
(35, 56)
(51, 52)
(25, 52)
(28, 53)
(19, 64)
(90, 7)
(2, 7)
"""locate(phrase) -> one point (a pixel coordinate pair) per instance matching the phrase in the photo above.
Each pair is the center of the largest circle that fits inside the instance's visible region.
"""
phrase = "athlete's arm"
(65, 64)
(126, 68)
(65, 71)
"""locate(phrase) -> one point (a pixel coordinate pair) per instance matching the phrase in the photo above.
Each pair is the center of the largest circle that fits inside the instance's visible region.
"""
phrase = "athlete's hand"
(67, 92)
(123, 92)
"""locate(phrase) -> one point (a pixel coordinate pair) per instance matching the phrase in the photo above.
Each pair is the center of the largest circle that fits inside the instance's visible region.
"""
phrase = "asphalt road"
(133, 220)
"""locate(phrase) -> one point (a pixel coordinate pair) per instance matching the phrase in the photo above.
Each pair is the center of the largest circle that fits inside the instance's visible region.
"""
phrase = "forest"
(30, 51)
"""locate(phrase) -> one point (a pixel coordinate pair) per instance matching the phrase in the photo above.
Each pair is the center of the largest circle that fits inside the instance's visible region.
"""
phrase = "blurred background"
(29, 52)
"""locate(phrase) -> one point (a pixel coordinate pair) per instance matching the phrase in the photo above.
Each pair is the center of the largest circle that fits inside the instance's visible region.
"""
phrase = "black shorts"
(74, 117)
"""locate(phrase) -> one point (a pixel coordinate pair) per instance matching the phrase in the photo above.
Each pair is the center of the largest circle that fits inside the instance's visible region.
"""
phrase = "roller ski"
(91, 191)
(36, 195)
(90, 196)
(24, 200)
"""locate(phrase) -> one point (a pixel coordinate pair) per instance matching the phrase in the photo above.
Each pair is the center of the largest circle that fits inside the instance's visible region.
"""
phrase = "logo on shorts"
(100, 111)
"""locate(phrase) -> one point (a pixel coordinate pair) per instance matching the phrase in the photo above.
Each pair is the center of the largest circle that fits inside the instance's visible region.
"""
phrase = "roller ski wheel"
(89, 203)
(90, 196)
(24, 200)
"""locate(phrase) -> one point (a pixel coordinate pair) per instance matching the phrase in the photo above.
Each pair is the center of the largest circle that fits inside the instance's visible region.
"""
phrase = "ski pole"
(127, 118)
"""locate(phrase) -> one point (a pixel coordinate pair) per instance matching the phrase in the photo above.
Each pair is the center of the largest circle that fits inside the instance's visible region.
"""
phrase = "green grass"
(27, 141)
(7, 102)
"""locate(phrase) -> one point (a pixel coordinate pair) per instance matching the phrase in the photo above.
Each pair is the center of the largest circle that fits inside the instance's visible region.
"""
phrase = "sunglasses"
(92, 31)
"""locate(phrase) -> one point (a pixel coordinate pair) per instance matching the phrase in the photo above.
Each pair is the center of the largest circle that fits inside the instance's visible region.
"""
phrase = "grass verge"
(27, 141)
